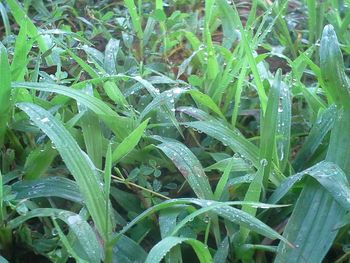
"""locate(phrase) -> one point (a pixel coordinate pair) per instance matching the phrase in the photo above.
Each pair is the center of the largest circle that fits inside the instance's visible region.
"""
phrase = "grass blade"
(158, 252)
(48, 187)
(129, 143)
(76, 161)
(5, 92)
(317, 214)
(188, 165)
(81, 229)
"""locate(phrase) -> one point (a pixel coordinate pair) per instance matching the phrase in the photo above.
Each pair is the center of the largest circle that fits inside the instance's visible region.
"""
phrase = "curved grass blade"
(234, 139)
(81, 229)
(66, 243)
(188, 165)
(159, 251)
(328, 174)
(48, 187)
(92, 103)
(76, 161)
(234, 215)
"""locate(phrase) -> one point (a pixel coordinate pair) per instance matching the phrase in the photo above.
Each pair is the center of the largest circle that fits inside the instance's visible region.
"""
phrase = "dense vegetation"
(174, 131)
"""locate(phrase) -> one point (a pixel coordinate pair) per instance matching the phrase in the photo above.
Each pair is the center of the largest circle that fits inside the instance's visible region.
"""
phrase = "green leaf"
(231, 138)
(332, 68)
(94, 104)
(5, 92)
(130, 142)
(158, 252)
(188, 165)
(81, 229)
(222, 209)
(127, 250)
(111, 53)
(33, 32)
(321, 127)
(77, 162)
(328, 174)
(38, 161)
(48, 187)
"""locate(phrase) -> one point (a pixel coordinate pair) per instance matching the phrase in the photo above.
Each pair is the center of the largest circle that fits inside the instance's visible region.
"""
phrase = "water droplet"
(263, 162)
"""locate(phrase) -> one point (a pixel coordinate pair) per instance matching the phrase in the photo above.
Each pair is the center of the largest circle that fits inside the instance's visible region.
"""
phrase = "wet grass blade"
(33, 32)
(317, 214)
(332, 67)
(129, 143)
(81, 229)
(222, 209)
(76, 161)
(48, 187)
(188, 165)
(231, 138)
(267, 149)
(5, 92)
(94, 104)
(321, 127)
(159, 251)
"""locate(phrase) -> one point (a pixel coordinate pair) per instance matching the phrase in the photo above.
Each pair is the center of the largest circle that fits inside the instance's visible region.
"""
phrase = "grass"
(174, 131)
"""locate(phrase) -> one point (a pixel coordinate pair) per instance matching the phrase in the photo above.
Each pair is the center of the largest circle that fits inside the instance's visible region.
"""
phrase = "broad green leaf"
(205, 100)
(222, 251)
(114, 93)
(165, 98)
(67, 244)
(3, 260)
(76, 160)
(283, 132)
(6, 23)
(135, 17)
(92, 132)
(223, 181)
